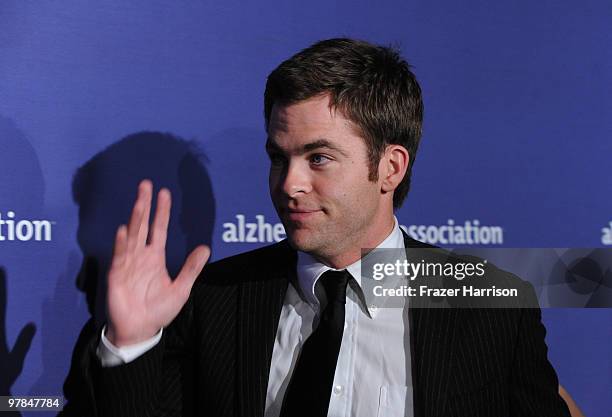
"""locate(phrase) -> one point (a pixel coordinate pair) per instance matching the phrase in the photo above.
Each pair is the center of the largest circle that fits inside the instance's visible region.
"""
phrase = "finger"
(137, 215)
(159, 231)
(190, 271)
(143, 230)
(120, 247)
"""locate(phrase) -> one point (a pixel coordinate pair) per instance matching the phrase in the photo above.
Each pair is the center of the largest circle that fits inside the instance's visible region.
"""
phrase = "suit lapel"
(432, 333)
(259, 306)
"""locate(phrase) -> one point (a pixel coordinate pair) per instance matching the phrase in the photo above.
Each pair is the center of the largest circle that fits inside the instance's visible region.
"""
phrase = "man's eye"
(318, 159)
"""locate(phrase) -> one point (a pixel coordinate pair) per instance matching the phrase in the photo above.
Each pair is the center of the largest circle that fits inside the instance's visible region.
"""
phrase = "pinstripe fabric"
(260, 309)
(483, 362)
(214, 359)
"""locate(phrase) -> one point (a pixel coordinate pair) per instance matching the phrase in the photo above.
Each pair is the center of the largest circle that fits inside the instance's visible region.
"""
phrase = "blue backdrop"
(96, 95)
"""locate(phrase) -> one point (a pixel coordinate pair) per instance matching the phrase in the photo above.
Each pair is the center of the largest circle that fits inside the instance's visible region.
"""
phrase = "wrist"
(120, 341)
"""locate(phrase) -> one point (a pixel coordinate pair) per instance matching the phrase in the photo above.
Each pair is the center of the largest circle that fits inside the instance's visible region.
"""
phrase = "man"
(288, 330)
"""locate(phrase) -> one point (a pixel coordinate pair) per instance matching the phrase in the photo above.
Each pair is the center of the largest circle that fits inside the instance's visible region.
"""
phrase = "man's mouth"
(299, 215)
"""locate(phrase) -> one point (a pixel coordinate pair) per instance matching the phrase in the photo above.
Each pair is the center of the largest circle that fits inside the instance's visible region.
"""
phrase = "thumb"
(190, 271)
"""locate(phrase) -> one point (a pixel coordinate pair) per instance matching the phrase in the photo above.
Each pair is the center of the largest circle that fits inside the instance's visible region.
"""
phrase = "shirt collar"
(309, 270)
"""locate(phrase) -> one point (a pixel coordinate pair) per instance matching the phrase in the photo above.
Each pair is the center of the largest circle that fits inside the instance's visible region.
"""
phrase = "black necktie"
(310, 388)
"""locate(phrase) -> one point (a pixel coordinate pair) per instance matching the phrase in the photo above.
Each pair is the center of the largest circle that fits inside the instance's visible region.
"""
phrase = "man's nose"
(296, 180)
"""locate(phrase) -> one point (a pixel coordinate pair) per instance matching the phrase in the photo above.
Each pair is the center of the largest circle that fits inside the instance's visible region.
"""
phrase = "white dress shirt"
(373, 374)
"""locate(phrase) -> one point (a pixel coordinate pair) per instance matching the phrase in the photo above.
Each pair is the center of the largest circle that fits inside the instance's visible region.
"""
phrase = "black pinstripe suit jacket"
(214, 359)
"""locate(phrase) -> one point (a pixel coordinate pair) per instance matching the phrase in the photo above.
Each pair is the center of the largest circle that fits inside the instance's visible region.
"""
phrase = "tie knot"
(334, 283)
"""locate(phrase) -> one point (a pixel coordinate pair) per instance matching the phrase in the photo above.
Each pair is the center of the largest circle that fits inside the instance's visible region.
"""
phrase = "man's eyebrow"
(308, 147)
(321, 143)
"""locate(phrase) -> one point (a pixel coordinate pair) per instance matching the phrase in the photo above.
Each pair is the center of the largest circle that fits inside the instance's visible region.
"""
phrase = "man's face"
(319, 179)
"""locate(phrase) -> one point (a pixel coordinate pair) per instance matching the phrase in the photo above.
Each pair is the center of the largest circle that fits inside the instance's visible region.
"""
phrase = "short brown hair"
(372, 86)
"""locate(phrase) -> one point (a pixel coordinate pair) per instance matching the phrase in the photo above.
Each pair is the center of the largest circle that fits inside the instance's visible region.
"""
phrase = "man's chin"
(300, 240)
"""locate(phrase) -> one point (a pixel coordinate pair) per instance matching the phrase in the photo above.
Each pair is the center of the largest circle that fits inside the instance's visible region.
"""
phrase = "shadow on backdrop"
(582, 278)
(11, 360)
(22, 191)
(104, 189)
(63, 314)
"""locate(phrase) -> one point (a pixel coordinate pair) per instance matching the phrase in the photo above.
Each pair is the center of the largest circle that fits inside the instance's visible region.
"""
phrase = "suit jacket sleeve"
(534, 383)
(158, 383)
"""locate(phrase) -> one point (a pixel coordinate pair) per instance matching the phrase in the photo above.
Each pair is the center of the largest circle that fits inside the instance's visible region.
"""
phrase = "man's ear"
(392, 167)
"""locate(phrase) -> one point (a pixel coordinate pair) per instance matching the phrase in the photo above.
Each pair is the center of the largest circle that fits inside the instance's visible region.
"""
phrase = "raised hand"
(142, 298)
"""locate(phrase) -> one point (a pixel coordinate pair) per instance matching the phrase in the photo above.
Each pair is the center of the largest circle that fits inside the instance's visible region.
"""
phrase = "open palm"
(142, 298)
